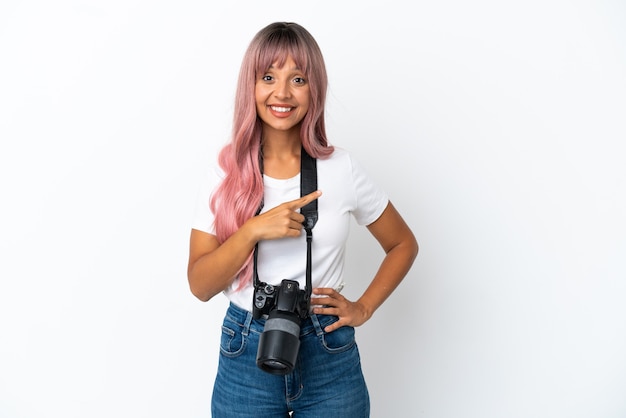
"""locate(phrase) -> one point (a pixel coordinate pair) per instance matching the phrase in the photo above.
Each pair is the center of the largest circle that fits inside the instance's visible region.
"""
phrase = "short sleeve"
(371, 199)
(203, 218)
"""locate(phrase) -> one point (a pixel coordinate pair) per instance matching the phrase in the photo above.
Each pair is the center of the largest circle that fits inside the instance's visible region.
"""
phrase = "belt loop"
(246, 323)
(316, 324)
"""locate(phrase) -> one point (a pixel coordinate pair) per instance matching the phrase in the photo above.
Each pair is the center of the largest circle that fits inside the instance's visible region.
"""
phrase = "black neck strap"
(308, 184)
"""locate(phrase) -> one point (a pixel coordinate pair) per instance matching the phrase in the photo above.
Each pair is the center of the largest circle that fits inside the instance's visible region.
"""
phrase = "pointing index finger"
(305, 200)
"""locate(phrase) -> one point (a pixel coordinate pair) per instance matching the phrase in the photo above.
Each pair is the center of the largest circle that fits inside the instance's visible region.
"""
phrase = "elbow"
(199, 291)
(204, 287)
(406, 251)
(202, 296)
(415, 247)
(411, 248)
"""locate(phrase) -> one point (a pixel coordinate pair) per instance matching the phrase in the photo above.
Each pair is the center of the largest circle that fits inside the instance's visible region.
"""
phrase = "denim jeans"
(326, 381)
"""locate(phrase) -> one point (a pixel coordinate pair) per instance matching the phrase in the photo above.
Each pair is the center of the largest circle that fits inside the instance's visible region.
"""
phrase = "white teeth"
(280, 109)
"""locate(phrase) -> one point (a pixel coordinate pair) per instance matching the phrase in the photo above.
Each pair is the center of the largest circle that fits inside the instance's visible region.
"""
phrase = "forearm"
(213, 272)
(393, 269)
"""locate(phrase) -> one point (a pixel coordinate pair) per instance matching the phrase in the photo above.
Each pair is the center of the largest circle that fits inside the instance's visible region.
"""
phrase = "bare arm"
(400, 247)
(212, 267)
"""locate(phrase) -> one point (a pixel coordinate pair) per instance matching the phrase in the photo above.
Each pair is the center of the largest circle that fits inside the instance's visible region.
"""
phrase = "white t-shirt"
(346, 191)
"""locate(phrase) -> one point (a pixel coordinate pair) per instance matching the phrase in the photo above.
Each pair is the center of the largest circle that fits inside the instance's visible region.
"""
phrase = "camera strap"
(308, 184)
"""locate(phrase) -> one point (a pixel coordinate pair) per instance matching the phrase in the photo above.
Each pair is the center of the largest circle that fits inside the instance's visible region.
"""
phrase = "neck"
(282, 145)
(281, 157)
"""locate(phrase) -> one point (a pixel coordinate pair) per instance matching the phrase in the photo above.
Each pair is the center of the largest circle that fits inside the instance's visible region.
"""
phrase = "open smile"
(281, 109)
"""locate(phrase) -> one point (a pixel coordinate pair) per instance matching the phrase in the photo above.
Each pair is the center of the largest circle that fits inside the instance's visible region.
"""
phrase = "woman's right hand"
(283, 221)
(212, 266)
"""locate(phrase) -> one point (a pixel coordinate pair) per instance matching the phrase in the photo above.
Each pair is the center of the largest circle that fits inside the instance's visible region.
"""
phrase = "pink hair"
(238, 197)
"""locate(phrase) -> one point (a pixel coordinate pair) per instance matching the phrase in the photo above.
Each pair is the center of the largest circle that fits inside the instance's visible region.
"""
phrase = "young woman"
(279, 117)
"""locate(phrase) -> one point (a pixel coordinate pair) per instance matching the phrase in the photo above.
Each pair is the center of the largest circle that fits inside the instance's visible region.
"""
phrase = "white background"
(496, 128)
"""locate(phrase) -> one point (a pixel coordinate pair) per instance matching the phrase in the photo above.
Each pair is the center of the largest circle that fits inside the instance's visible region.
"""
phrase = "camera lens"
(275, 366)
(279, 343)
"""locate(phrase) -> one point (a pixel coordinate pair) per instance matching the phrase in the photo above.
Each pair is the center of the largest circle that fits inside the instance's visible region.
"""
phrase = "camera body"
(288, 297)
(285, 306)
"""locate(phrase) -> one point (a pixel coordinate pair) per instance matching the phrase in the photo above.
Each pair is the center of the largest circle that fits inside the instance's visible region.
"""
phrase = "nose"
(283, 89)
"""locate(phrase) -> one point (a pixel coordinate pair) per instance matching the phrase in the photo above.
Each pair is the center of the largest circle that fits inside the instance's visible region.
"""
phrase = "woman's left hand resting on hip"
(400, 247)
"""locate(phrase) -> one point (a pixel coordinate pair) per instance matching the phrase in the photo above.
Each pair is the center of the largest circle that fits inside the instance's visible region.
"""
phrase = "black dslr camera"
(285, 306)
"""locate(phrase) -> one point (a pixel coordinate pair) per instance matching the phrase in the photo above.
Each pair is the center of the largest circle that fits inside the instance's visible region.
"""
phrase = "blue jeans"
(327, 380)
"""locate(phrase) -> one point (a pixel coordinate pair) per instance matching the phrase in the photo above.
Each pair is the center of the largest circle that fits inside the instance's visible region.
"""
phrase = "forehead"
(276, 57)
(286, 64)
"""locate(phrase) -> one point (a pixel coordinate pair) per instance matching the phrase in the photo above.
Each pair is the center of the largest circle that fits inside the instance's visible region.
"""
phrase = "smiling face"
(282, 98)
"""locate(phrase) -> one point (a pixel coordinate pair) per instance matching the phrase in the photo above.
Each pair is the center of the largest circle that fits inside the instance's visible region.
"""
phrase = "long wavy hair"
(239, 195)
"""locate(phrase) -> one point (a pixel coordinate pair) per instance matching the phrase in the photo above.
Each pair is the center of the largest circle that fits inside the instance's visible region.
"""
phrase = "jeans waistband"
(313, 324)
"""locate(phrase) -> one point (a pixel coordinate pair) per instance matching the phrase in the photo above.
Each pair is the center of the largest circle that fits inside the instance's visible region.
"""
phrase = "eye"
(267, 78)
(299, 80)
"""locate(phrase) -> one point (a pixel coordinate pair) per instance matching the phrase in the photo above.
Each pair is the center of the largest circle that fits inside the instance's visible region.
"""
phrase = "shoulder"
(337, 165)
(339, 152)
(214, 174)
(340, 156)
(343, 160)
(210, 178)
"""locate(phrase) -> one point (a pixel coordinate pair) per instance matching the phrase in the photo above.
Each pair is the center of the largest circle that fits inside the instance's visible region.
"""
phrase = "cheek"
(305, 101)
(259, 94)
(259, 100)
(304, 109)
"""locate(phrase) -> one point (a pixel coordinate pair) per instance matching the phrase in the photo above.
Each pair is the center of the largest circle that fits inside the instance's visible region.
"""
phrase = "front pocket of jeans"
(232, 342)
(338, 341)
